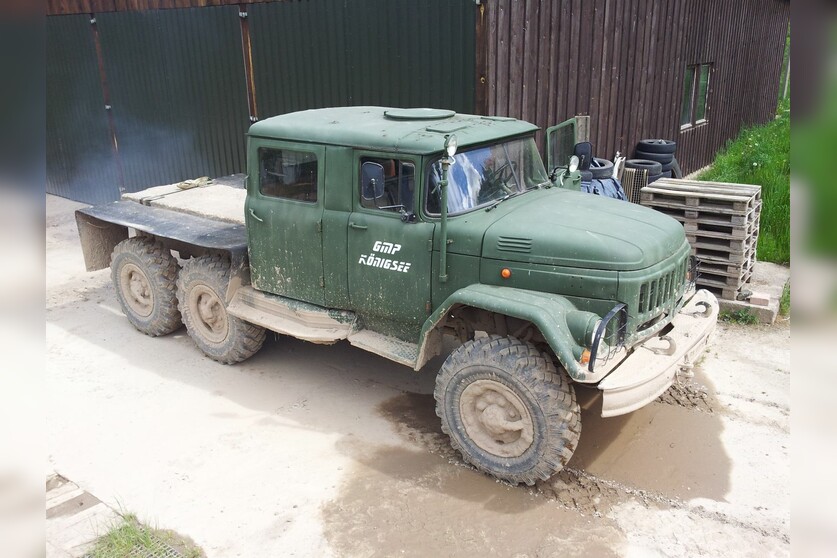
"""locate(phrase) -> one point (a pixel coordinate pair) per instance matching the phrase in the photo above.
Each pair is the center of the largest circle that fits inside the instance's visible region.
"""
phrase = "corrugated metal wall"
(377, 52)
(623, 63)
(176, 80)
(80, 161)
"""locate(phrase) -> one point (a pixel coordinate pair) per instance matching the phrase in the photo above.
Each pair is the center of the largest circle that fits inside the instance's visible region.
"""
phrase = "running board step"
(394, 349)
(291, 317)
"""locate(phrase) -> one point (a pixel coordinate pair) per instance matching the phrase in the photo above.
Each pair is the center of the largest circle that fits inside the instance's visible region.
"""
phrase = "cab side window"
(289, 174)
(399, 186)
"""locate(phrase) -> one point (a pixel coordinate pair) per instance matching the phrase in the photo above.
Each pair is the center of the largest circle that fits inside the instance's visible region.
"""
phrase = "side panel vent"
(512, 244)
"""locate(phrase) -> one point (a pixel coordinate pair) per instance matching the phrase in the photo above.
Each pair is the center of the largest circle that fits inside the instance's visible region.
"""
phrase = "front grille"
(659, 293)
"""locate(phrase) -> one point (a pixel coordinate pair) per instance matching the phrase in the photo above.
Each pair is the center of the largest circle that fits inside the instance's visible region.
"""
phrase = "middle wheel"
(201, 294)
(507, 410)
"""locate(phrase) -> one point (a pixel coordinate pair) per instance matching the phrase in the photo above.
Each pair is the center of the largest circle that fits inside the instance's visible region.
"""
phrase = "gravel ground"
(307, 450)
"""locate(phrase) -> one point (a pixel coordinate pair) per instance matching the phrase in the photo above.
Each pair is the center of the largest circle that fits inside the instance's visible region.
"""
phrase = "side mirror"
(372, 181)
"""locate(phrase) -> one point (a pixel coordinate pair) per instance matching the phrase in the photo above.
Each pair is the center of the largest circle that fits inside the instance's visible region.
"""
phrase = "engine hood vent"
(514, 244)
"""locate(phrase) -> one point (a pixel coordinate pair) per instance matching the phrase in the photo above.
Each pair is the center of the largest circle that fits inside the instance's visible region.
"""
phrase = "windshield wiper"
(504, 198)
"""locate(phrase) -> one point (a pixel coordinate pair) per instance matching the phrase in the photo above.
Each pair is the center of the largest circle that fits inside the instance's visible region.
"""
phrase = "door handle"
(254, 216)
(359, 227)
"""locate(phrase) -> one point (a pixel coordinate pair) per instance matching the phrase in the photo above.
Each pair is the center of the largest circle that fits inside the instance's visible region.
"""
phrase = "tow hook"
(670, 350)
(705, 313)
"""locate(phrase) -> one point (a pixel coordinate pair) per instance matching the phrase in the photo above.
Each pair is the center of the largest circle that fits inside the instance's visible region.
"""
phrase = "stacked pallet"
(722, 226)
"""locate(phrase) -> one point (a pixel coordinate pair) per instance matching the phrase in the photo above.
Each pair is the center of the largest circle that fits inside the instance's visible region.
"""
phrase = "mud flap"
(651, 368)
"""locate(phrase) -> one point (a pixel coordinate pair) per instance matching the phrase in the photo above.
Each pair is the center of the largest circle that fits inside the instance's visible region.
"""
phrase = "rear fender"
(102, 227)
(548, 312)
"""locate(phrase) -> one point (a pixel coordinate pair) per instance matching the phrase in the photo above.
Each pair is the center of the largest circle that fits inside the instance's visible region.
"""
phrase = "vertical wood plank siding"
(623, 63)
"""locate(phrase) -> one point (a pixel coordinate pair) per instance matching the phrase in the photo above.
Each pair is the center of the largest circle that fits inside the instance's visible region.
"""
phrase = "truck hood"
(573, 229)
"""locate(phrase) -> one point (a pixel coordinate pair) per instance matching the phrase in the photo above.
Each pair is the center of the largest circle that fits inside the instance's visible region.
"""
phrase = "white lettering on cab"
(374, 260)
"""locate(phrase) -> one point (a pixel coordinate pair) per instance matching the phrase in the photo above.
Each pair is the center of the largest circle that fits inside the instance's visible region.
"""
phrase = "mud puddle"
(424, 491)
(689, 395)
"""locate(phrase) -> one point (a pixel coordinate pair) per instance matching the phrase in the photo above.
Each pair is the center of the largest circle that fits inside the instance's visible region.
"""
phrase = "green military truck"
(396, 229)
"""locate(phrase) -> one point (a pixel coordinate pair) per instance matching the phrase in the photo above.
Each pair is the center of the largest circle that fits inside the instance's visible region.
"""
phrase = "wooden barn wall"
(622, 62)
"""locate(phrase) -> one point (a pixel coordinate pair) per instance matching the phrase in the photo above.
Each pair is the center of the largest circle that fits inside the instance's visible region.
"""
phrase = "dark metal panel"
(178, 90)
(80, 163)
(375, 52)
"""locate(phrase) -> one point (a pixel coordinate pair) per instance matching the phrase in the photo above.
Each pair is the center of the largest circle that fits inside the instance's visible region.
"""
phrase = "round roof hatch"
(418, 114)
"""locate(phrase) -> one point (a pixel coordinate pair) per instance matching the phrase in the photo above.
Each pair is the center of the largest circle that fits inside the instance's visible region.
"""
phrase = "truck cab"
(397, 228)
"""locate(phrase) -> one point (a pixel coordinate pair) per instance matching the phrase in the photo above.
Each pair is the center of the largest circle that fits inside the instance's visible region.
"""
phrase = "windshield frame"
(434, 159)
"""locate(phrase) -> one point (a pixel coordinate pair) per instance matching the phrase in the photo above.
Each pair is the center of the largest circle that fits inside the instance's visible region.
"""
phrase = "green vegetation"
(761, 155)
(743, 317)
(131, 538)
(784, 302)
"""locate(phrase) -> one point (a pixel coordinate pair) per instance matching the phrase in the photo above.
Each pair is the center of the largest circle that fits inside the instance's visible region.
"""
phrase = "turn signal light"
(505, 273)
(585, 356)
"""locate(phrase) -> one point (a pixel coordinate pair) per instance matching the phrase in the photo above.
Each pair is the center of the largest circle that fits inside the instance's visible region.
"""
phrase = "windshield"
(485, 174)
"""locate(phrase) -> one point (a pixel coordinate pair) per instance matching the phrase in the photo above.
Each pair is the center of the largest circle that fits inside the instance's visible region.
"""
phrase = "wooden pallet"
(711, 187)
(718, 228)
(732, 245)
(712, 203)
(724, 257)
(725, 269)
(721, 222)
(695, 214)
(737, 278)
(726, 293)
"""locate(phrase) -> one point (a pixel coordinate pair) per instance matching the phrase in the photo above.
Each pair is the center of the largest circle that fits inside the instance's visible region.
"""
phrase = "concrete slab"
(74, 518)
(768, 279)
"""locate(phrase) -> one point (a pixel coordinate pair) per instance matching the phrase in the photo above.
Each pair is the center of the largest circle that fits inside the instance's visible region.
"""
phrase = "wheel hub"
(209, 312)
(496, 419)
(136, 290)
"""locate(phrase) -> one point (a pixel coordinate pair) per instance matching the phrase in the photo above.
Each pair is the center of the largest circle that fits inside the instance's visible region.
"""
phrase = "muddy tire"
(507, 410)
(201, 295)
(144, 275)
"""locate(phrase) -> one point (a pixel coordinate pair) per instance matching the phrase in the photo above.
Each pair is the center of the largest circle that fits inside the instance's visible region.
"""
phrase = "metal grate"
(633, 181)
(152, 547)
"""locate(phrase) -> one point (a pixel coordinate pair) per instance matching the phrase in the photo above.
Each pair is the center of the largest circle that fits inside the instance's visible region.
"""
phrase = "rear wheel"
(144, 274)
(201, 294)
(507, 410)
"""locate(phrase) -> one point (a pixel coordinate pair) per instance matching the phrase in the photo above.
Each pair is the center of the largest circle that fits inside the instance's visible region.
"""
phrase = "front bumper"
(650, 369)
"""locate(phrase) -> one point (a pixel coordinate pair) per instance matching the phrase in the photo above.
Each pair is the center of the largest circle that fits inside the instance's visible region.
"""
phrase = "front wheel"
(201, 293)
(507, 410)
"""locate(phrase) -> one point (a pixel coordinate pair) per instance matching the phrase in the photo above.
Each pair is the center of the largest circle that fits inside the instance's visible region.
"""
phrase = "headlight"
(591, 333)
(583, 326)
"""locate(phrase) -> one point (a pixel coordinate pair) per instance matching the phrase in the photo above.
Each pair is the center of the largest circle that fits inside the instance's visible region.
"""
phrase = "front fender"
(547, 311)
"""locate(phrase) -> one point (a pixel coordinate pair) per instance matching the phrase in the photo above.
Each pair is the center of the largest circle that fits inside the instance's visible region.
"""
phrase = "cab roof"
(417, 131)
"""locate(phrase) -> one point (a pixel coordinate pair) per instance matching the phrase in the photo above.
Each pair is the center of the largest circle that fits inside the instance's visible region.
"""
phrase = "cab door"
(284, 212)
(389, 249)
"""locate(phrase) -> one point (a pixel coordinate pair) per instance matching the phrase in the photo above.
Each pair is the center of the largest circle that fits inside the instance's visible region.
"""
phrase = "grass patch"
(131, 538)
(784, 302)
(742, 317)
(761, 155)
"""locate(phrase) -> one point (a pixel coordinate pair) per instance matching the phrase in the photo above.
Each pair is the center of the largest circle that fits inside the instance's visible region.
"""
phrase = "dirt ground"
(309, 450)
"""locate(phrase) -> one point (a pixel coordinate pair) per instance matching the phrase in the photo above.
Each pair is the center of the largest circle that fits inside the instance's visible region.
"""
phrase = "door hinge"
(320, 226)
(430, 245)
(322, 282)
